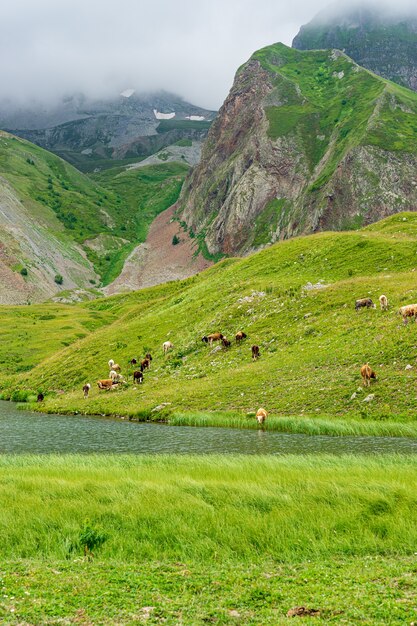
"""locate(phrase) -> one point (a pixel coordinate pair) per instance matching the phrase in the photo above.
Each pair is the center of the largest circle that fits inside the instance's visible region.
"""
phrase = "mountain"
(305, 141)
(60, 230)
(381, 40)
(92, 133)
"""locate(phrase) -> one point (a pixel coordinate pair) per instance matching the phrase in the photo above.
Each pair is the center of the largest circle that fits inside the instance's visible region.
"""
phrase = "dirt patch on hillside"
(158, 260)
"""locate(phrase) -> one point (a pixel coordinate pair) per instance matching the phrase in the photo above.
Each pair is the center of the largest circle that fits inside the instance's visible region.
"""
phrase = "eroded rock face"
(305, 141)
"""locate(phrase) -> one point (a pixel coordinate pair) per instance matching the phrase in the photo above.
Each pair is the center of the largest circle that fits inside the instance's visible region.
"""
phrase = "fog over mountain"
(192, 48)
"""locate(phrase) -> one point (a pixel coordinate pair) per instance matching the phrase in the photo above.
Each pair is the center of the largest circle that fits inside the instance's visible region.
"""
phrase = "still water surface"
(37, 433)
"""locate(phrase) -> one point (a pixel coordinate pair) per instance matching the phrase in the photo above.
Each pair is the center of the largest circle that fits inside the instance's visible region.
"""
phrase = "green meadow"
(207, 539)
(295, 300)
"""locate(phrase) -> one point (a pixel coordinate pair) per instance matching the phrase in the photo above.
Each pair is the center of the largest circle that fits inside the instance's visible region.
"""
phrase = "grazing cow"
(138, 377)
(226, 343)
(255, 353)
(261, 416)
(40, 398)
(239, 336)
(106, 383)
(145, 364)
(115, 376)
(213, 337)
(367, 373)
(383, 301)
(167, 345)
(133, 362)
(149, 357)
(86, 390)
(364, 302)
(409, 310)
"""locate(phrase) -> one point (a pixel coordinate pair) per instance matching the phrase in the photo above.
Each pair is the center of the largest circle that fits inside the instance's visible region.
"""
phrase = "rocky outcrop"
(305, 141)
(380, 40)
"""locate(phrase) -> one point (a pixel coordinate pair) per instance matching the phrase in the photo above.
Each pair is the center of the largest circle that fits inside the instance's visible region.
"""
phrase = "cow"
(367, 373)
(239, 336)
(40, 397)
(261, 416)
(364, 302)
(106, 383)
(86, 390)
(383, 302)
(213, 337)
(138, 377)
(145, 364)
(133, 362)
(409, 310)
(226, 343)
(166, 346)
(255, 353)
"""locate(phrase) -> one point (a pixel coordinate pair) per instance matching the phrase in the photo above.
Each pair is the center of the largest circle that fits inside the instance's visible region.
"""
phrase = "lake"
(25, 432)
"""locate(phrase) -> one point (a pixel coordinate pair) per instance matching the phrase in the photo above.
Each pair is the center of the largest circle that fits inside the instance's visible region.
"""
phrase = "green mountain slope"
(295, 300)
(57, 221)
(384, 42)
(305, 141)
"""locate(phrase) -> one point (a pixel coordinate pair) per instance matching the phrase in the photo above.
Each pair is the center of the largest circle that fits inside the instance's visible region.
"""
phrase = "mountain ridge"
(305, 141)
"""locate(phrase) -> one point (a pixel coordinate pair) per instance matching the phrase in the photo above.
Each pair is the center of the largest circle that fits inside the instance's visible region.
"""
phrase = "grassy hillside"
(107, 216)
(295, 300)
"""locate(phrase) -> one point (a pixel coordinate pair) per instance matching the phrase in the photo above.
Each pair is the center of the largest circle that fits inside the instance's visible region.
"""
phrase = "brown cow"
(213, 337)
(239, 336)
(409, 310)
(255, 353)
(261, 416)
(364, 302)
(138, 377)
(367, 373)
(226, 343)
(106, 383)
(145, 364)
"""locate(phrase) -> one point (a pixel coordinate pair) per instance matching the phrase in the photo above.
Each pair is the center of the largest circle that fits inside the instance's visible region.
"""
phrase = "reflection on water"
(36, 433)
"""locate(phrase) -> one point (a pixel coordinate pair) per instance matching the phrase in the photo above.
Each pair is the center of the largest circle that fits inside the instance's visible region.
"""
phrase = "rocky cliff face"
(305, 141)
(376, 39)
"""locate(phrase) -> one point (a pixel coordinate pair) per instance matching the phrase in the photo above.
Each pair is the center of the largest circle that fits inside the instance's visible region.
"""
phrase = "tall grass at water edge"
(213, 509)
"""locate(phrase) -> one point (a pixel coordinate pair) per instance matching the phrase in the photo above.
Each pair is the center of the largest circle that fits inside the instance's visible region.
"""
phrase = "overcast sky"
(100, 47)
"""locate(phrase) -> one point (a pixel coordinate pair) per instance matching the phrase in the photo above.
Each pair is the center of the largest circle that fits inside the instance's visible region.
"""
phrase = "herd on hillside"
(116, 379)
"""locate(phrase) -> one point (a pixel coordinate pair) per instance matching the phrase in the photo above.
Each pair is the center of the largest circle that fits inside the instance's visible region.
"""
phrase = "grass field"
(295, 300)
(188, 540)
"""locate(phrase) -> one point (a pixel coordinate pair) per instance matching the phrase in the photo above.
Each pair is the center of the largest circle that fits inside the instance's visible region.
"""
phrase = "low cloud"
(51, 48)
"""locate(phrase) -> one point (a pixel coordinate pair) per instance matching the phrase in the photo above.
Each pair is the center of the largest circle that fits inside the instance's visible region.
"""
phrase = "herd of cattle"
(115, 377)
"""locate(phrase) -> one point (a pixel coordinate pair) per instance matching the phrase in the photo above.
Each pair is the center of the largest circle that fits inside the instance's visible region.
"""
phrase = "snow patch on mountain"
(163, 116)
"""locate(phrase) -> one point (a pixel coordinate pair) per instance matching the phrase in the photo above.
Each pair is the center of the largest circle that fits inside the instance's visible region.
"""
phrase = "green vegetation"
(267, 222)
(295, 300)
(329, 104)
(166, 125)
(184, 143)
(147, 191)
(118, 205)
(58, 279)
(379, 44)
(225, 539)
